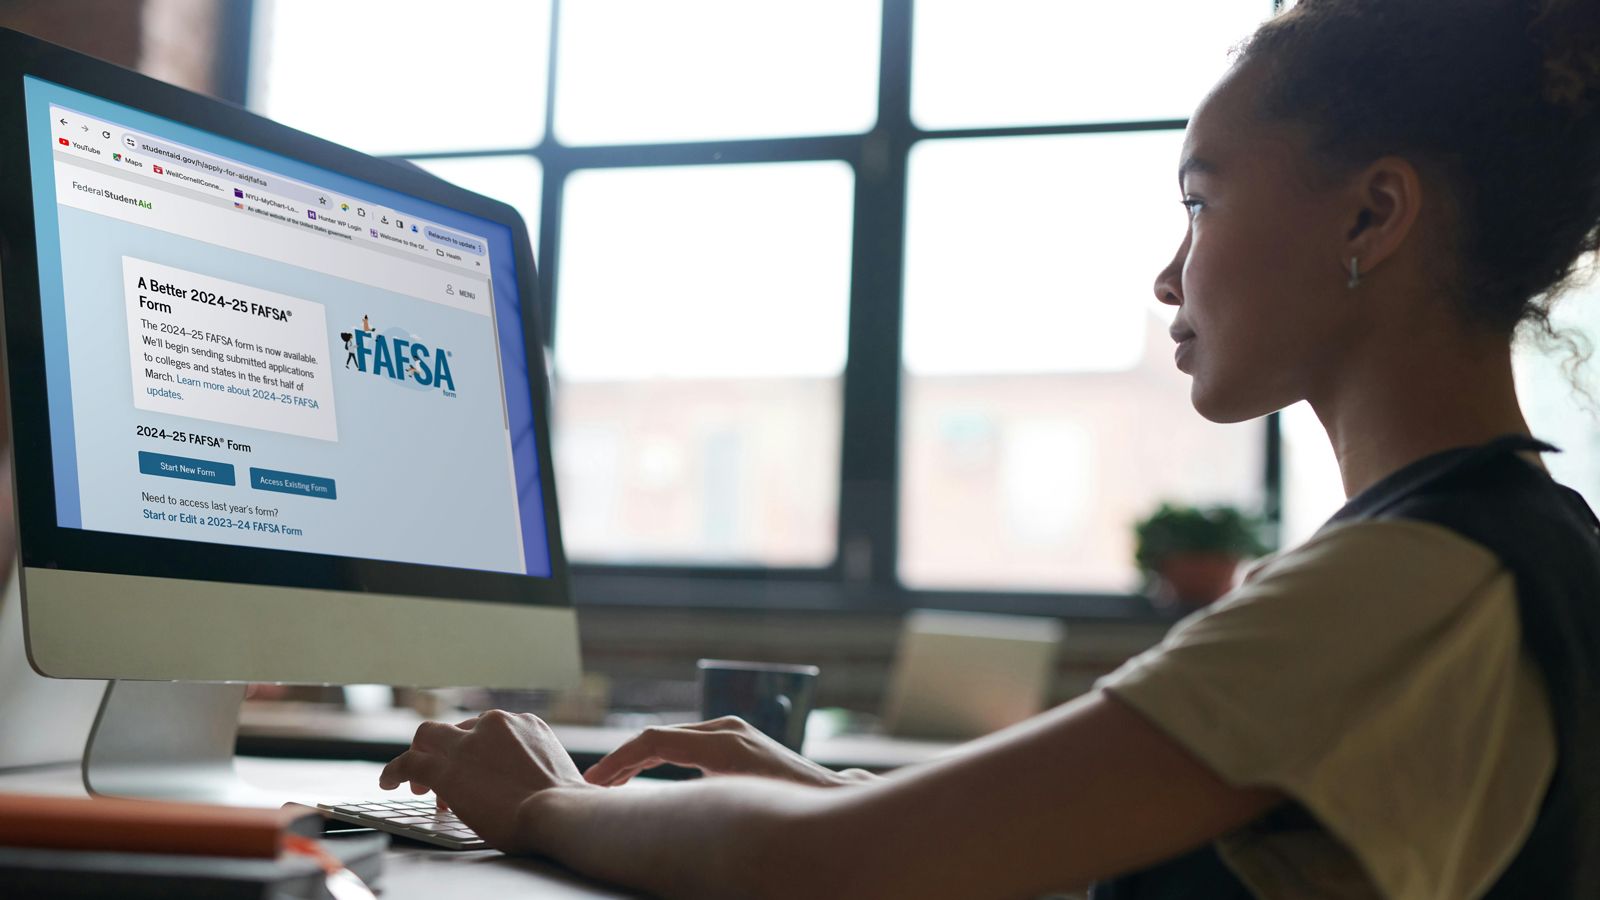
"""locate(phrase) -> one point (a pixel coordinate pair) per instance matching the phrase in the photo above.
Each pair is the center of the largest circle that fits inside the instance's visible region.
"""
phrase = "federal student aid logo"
(399, 356)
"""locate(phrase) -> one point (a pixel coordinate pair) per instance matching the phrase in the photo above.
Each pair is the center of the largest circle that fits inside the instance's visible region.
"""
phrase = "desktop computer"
(279, 413)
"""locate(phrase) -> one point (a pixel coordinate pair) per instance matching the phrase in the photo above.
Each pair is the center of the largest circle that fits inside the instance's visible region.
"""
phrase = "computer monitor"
(279, 414)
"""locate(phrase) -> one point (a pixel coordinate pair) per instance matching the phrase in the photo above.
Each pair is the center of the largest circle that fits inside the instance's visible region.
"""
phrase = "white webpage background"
(223, 360)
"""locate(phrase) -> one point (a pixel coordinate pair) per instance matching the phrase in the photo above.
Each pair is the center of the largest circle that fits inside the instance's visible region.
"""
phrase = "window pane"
(404, 76)
(1555, 411)
(642, 71)
(1312, 487)
(1038, 254)
(1042, 412)
(1032, 62)
(517, 180)
(700, 343)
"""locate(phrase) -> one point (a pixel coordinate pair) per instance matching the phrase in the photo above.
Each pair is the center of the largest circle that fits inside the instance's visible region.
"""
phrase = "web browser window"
(244, 349)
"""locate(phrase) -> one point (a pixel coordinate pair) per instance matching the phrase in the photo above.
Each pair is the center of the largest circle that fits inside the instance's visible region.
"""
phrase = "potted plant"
(1188, 555)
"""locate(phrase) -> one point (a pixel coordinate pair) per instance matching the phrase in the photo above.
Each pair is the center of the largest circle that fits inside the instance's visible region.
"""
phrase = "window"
(1557, 383)
(699, 374)
(1312, 487)
(1561, 393)
(354, 72)
(850, 301)
(404, 76)
(1031, 332)
(1044, 62)
(642, 71)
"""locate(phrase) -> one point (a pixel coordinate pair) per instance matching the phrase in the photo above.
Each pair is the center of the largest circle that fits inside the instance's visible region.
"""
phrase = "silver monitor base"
(169, 740)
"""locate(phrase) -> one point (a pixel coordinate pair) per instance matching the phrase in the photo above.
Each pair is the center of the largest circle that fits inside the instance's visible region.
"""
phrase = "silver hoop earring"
(1355, 275)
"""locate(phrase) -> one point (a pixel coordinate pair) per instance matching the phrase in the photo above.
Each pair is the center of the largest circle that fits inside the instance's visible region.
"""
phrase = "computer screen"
(278, 413)
(245, 349)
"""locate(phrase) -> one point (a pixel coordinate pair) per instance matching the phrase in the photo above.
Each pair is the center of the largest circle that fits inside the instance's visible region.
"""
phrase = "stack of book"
(67, 847)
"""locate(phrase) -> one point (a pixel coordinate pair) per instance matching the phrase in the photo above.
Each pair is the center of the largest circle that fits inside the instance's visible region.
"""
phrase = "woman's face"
(1263, 310)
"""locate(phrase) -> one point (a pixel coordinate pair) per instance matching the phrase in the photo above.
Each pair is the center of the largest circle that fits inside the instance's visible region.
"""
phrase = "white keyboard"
(419, 820)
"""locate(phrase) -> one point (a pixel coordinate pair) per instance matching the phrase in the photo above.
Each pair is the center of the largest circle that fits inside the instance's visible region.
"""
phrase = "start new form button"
(290, 483)
(185, 468)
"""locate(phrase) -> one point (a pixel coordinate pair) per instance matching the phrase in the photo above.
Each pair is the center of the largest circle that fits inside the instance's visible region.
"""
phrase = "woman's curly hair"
(1498, 100)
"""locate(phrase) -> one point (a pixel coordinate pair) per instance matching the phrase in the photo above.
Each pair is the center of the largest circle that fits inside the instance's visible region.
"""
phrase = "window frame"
(864, 574)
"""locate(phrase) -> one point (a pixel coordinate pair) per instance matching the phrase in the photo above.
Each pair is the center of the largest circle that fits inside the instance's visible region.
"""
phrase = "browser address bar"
(229, 170)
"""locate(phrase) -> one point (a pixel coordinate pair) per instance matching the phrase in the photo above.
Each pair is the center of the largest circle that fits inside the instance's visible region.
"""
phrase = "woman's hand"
(725, 746)
(485, 769)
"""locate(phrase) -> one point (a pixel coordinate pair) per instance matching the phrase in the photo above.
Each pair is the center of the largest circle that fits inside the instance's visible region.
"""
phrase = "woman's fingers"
(464, 725)
(651, 748)
(626, 775)
(422, 765)
(721, 723)
(414, 766)
(618, 760)
(438, 736)
(724, 746)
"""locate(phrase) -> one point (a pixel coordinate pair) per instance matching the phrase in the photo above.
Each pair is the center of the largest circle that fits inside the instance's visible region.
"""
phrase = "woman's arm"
(1082, 792)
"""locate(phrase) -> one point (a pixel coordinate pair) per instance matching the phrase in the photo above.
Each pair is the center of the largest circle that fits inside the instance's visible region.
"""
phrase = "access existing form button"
(290, 483)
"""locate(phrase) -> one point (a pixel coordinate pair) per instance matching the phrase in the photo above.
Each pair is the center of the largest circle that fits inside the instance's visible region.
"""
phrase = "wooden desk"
(303, 730)
(410, 870)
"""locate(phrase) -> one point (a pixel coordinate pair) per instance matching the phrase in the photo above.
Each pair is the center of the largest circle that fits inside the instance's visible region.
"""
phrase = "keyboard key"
(386, 814)
(420, 820)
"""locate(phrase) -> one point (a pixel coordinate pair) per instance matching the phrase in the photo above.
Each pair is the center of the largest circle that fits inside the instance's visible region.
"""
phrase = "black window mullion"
(865, 575)
(554, 177)
(554, 172)
(230, 69)
(870, 449)
(1272, 487)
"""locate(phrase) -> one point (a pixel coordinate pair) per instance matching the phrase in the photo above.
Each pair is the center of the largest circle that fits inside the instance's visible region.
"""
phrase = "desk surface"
(410, 870)
(315, 730)
(413, 870)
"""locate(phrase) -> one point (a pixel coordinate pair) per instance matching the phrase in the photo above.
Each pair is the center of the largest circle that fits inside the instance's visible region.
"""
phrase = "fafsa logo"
(399, 355)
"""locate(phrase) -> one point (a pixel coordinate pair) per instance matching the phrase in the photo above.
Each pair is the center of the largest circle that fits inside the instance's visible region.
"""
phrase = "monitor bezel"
(45, 544)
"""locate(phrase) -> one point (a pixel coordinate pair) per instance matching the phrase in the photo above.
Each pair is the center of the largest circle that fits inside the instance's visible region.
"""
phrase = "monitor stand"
(169, 740)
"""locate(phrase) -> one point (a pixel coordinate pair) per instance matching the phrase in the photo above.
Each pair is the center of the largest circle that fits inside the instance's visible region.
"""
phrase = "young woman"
(1406, 706)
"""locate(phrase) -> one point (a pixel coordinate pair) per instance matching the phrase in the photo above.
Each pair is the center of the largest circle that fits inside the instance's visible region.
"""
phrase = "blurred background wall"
(173, 40)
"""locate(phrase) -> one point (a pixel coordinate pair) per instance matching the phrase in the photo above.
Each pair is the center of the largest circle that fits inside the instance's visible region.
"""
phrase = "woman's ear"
(1385, 201)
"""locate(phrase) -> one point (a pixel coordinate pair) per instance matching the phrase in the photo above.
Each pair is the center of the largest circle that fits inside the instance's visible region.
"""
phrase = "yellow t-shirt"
(1376, 676)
